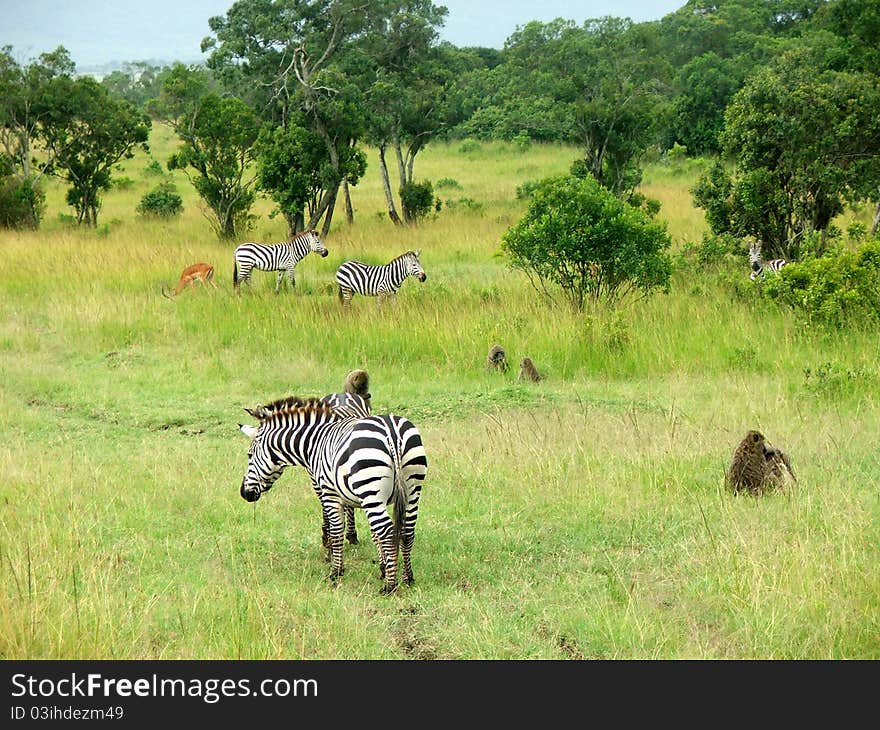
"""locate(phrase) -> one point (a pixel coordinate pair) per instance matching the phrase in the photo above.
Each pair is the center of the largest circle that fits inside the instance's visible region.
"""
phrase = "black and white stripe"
(280, 257)
(759, 266)
(356, 277)
(366, 462)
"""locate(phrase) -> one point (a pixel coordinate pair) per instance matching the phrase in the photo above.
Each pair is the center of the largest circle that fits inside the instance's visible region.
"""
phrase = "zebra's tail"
(400, 500)
(400, 504)
(235, 273)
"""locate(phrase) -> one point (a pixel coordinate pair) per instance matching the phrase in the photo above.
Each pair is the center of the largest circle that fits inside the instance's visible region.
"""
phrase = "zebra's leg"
(345, 297)
(292, 279)
(409, 536)
(350, 529)
(279, 281)
(333, 514)
(383, 535)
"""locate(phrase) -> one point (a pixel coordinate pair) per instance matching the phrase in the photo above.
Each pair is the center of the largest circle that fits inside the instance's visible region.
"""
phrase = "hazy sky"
(101, 31)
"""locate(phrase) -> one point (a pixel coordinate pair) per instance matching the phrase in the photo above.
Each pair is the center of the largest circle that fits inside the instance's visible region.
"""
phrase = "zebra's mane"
(402, 256)
(294, 404)
(301, 234)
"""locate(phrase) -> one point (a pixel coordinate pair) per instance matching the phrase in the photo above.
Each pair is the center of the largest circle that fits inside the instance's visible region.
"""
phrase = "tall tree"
(21, 89)
(86, 132)
(218, 136)
(292, 49)
(805, 142)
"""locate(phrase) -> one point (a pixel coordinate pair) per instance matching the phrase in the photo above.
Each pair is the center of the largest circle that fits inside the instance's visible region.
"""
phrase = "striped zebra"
(356, 277)
(348, 406)
(353, 459)
(758, 265)
(280, 257)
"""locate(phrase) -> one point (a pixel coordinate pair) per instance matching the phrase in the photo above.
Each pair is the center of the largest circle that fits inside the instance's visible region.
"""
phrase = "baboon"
(496, 359)
(757, 467)
(528, 371)
(357, 382)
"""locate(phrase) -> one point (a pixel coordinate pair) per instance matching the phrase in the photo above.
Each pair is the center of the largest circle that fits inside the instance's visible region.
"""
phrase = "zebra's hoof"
(387, 589)
(352, 539)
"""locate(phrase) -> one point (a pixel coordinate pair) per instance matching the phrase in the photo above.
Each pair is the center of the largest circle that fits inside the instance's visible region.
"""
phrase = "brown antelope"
(189, 276)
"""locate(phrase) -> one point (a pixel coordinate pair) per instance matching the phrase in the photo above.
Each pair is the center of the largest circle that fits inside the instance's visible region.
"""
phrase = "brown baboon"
(528, 371)
(757, 467)
(496, 359)
(357, 382)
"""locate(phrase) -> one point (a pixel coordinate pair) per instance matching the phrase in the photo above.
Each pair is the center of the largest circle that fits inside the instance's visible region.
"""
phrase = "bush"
(469, 145)
(161, 202)
(579, 237)
(417, 200)
(448, 182)
(22, 203)
(833, 290)
(154, 169)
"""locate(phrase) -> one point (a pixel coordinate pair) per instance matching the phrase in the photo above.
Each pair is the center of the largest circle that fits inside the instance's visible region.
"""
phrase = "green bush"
(162, 201)
(417, 200)
(578, 237)
(448, 182)
(836, 289)
(22, 203)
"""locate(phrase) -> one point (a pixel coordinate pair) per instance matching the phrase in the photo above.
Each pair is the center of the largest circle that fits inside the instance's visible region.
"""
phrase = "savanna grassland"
(581, 517)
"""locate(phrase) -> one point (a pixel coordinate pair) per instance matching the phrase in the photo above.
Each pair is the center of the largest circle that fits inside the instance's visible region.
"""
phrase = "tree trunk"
(331, 206)
(876, 222)
(386, 186)
(295, 223)
(401, 174)
(349, 211)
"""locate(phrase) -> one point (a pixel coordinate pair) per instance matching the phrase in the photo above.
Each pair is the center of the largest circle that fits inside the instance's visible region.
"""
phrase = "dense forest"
(297, 98)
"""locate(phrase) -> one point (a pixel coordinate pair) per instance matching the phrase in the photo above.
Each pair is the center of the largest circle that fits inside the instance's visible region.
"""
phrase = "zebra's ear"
(418, 253)
(247, 430)
(258, 412)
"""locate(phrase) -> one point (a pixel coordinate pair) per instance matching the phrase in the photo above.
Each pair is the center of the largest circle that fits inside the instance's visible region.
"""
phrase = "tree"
(580, 238)
(218, 136)
(621, 106)
(86, 132)
(406, 102)
(707, 83)
(805, 142)
(292, 166)
(292, 52)
(21, 88)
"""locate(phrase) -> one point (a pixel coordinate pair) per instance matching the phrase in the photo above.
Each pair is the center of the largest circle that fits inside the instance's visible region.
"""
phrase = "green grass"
(582, 517)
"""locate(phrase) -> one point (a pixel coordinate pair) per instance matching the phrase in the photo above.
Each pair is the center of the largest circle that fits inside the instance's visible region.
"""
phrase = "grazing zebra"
(280, 257)
(345, 405)
(363, 461)
(759, 266)
(356, 277)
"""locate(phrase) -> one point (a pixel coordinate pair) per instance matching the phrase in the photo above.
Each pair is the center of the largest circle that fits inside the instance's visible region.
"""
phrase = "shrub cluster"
(22, 203)
(162, 201)
(836, 289)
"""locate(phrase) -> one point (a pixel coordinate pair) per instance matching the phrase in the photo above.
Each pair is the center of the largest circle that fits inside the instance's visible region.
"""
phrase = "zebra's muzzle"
(422, 276)
(323, 253)
(249, 495)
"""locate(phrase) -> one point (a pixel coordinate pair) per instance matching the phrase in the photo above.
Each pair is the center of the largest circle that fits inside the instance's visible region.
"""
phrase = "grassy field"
(582, 517)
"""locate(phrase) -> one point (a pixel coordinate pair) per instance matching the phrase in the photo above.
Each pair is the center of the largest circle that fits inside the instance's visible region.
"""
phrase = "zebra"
(759, 266)
(346, 405)
(356, 277)
(280, 257)
(363, 461)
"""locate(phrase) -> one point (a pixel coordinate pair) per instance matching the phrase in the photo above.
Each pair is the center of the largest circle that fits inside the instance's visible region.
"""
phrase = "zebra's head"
(263, 467)
(755, 254)
(415, 266)
(315, 244)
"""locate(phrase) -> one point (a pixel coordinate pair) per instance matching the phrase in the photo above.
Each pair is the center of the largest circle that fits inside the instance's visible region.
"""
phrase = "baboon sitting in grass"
(357, 382)
(528, 372)
(496, 359)
(757, 467)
